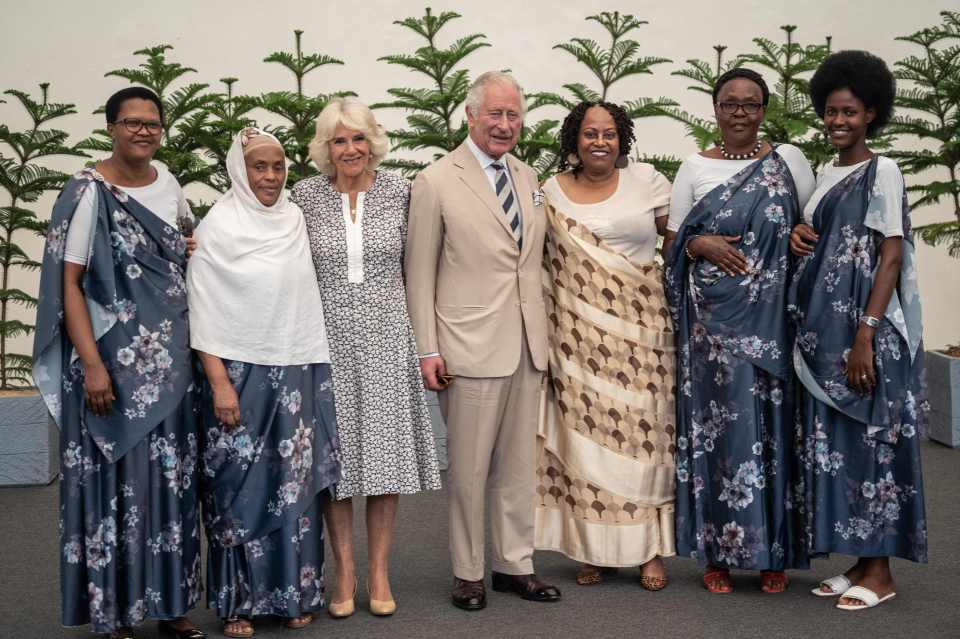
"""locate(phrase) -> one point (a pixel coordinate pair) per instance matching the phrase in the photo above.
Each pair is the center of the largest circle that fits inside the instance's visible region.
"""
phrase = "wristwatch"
(870, 321)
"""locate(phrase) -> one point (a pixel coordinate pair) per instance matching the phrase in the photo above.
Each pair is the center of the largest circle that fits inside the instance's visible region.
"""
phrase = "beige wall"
(72, 44)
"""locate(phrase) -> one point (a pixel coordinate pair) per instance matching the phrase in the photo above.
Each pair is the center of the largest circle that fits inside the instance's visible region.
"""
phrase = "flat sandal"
(296, 623)
(590, 575)
(233, 634)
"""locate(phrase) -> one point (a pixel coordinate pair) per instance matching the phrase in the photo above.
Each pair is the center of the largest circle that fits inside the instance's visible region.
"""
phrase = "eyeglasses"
(133, 125)
(730, 108)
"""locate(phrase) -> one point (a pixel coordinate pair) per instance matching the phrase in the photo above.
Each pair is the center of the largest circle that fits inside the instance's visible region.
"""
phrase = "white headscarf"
(252, 289)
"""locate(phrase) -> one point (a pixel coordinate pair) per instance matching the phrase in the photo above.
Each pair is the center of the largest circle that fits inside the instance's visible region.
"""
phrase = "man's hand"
(191, 246)
(432, 368)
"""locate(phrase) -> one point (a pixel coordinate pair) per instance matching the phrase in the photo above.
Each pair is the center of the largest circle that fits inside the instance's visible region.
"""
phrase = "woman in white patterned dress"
(357, 223)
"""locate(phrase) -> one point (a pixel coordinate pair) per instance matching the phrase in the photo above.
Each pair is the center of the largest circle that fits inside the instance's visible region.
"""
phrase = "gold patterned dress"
(606, 435)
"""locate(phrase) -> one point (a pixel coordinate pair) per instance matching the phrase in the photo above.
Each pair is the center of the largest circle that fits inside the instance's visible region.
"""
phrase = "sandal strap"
(865, 595)
(837, 584)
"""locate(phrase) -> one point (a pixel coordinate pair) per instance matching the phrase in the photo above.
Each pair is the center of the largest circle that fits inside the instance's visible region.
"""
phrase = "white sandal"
(837, 586)
(867, 596)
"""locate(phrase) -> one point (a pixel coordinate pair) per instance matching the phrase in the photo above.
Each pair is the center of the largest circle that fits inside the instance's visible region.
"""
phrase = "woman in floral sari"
(112, 360)
(731, 212)
(859, 353)
(269, 451)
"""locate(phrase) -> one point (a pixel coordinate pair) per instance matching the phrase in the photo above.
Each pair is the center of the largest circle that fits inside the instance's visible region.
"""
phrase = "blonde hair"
(353, 114)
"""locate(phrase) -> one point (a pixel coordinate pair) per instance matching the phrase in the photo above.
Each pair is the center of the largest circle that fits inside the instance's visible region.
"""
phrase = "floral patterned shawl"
(135, 292)
(745, 312)
(829, 292)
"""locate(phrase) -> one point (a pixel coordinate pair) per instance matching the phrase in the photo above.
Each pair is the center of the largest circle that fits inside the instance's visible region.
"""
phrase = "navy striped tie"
(508, 200)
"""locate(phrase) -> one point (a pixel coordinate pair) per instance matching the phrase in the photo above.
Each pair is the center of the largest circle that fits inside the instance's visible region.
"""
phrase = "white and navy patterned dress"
(386, 438)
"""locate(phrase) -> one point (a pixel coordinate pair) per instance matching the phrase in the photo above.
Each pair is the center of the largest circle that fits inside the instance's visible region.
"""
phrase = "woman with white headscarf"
(256, 322)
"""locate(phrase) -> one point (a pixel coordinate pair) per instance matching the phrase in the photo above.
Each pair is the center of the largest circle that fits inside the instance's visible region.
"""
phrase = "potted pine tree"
(930, 111)
(28, 441)
(435, 117)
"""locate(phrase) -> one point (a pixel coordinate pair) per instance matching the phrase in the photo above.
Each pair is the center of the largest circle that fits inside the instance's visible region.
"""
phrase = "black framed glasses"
(750, 108)
(133, 125)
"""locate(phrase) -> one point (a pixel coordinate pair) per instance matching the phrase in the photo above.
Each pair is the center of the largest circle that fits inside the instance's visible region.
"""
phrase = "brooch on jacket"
(538, 197)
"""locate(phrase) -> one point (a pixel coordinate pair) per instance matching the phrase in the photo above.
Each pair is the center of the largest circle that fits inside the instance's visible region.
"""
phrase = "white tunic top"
(163, 197)
(699, 175)
(889, 184)
(354, 238)
(625, 220)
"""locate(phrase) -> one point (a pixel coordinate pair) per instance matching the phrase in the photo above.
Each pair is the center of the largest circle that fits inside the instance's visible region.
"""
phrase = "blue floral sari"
(263, 485)
(736, 470)
(130, 543)
(861, 454)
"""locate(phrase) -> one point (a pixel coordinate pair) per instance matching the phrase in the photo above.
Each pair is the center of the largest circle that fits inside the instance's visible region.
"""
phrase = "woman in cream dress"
(606, 466)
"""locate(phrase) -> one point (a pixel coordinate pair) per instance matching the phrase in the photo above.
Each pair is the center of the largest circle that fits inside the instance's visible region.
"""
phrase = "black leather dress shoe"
(468, 595)
(527, 586)
(167, 628)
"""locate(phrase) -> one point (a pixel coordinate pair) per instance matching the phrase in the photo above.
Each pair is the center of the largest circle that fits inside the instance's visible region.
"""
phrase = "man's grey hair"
(479, 86)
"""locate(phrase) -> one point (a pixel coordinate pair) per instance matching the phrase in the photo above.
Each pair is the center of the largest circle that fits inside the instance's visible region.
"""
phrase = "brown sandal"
(653, 584)
(296, 623)
(247, 628)
(717, 580)
(590, 575)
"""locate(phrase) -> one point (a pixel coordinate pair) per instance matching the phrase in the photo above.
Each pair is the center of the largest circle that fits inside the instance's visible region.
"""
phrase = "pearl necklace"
(739, 156)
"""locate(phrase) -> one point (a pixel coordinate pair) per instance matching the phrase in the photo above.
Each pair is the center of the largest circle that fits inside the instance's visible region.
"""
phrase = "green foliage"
(25, 181)
(226, 115)
(621, 59)
(432, 122)
(611, 65)
(790, 117)
(704, 76)
(185, 115)
(933, 115)
(299, 109)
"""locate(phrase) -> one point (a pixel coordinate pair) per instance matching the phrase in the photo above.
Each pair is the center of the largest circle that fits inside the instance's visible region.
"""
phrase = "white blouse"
(626, 219)
(163, 197)
(354, 238)
(699, 175)
(889, 184)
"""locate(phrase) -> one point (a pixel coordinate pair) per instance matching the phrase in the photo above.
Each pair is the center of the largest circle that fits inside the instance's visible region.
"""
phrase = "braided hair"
(570, 131)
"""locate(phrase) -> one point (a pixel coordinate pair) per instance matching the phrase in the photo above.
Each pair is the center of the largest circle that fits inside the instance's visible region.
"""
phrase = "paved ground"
(927, 604)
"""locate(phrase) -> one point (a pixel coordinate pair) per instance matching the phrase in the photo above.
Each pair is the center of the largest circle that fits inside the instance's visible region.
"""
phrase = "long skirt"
(605, 468)
(865, 496)
(264, 482)
(130, 537)
(739, 490)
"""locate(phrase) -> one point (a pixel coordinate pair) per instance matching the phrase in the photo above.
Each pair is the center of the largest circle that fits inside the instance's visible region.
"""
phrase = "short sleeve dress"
(386, 436)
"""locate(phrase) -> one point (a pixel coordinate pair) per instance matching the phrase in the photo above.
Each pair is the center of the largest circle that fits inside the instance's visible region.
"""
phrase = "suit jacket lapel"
(476, 180)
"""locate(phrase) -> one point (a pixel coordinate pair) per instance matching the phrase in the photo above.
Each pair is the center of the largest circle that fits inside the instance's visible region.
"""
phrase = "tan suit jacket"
(471, 291)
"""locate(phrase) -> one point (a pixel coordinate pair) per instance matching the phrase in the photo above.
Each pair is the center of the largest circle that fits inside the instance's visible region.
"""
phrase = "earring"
(622, 162)
(573, 160)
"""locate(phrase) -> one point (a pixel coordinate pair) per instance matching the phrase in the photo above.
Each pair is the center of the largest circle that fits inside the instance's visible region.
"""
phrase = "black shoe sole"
(467, 606)
(503, 583)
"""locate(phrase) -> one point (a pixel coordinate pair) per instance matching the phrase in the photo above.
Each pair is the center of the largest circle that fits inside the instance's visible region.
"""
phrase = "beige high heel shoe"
(341, 609)
(381, 607)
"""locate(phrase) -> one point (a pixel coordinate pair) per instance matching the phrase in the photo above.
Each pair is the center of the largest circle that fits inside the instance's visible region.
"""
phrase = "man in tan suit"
(474, 291)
